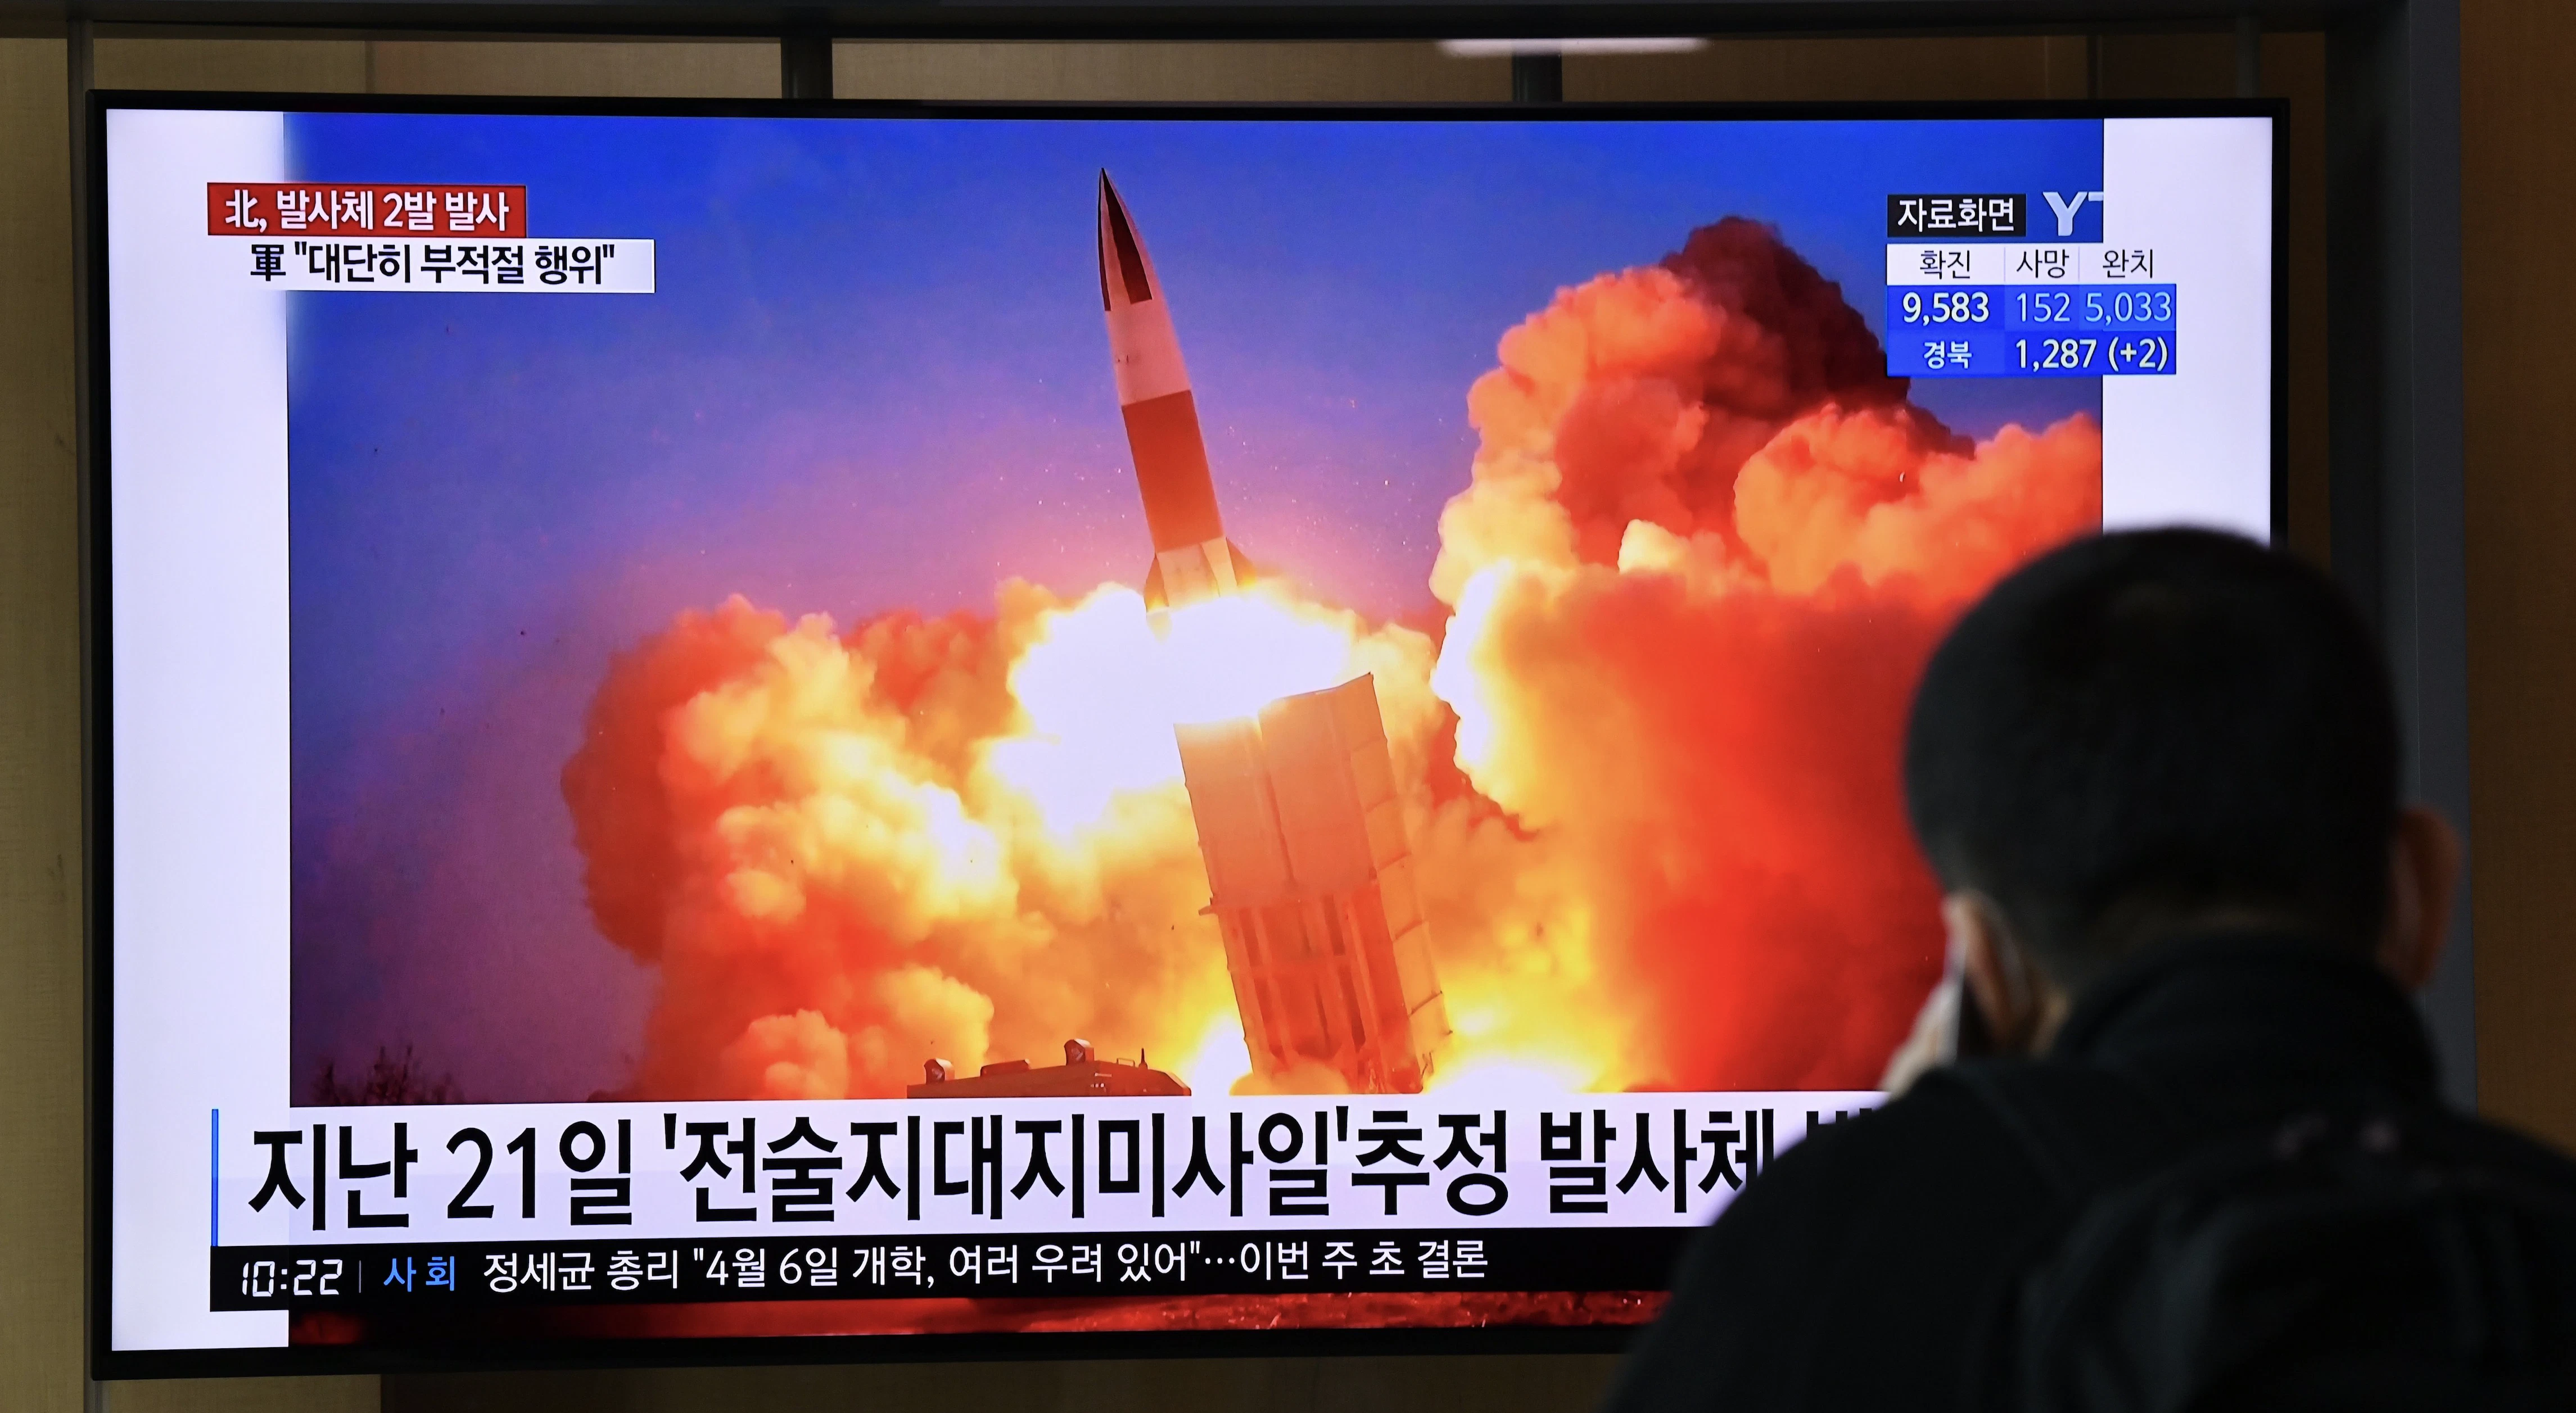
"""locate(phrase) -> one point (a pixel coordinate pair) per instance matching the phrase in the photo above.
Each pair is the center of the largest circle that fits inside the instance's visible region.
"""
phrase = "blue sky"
(875, 375)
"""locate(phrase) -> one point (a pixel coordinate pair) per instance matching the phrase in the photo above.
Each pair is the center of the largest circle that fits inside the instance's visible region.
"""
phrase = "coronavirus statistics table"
(2012, 310)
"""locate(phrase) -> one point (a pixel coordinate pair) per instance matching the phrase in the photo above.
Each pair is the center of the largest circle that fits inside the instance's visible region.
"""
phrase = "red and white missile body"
(1193, 560)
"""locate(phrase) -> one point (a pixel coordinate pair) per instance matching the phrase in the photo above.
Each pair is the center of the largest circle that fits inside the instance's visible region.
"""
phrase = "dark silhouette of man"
(2157, 776)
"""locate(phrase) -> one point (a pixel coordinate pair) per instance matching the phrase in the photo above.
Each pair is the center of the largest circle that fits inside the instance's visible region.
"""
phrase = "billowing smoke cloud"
(1706, 551)
(1650, 769)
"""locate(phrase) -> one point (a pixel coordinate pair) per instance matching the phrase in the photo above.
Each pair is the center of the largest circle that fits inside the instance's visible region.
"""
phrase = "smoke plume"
(1650, 764)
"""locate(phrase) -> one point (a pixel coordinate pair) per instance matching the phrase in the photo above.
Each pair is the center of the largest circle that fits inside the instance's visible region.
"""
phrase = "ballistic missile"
(1193, 560)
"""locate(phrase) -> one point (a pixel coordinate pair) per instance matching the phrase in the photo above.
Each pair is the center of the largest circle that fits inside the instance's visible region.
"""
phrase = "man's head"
(2153, 732)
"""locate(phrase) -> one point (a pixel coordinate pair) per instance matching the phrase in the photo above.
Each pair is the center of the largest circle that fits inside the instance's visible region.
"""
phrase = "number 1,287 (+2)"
(2054, 354)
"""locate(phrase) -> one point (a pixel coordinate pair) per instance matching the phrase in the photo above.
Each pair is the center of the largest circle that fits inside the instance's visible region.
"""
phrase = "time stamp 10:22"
(2030, 331)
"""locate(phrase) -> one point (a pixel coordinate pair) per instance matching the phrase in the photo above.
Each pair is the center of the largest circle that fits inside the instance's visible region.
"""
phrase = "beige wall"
(2523, 600)
(1168, 73)
(2519, 113)
(40, 847)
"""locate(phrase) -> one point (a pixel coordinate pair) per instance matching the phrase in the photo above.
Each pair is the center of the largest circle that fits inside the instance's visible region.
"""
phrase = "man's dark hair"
(2141, 727)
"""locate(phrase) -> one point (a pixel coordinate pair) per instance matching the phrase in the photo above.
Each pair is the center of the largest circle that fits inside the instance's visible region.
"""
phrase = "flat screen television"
(907, 730)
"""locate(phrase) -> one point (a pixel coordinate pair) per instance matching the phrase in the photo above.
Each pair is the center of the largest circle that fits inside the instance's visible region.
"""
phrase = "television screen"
(1034, 728)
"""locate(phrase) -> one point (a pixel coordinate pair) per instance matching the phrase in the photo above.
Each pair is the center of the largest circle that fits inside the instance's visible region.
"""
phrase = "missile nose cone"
(1126, 274)
(1192, 558)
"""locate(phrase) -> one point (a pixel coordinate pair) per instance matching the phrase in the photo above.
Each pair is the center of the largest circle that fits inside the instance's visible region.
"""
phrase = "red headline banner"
(339, 208)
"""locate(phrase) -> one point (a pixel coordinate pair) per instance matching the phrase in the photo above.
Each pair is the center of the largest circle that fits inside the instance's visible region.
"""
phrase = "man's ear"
(2006, 988)
(2423, 875)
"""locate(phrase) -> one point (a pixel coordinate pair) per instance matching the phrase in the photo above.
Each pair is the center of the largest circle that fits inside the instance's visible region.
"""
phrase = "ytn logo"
(2067, 206)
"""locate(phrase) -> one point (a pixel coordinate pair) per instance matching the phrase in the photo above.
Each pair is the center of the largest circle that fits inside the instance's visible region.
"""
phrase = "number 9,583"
(1955, 306)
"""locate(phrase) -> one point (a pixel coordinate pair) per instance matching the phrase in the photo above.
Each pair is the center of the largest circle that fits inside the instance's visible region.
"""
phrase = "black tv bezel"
(107, 1362)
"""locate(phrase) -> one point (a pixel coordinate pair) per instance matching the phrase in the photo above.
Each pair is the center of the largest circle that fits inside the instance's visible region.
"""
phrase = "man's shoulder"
(1937, 1147)
(2476, 1141)
(1818, 1195)
(1934, 1126)
(1892, 1230)
(1947, 1120)
(1873, 1232)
